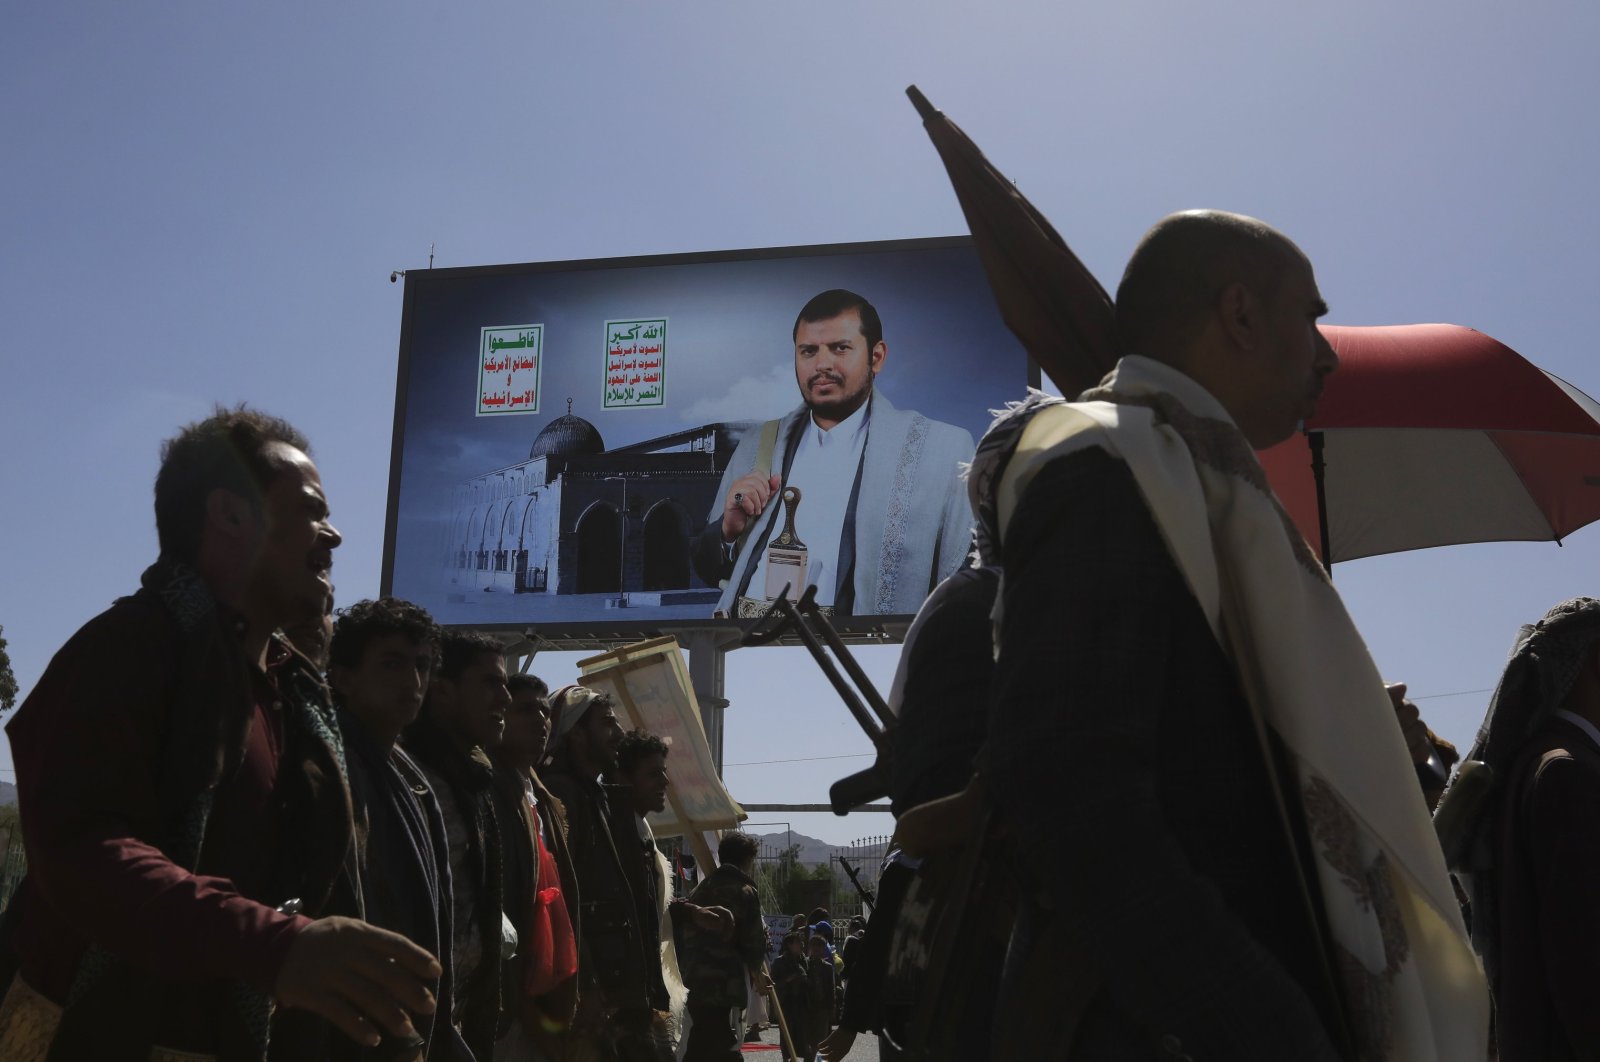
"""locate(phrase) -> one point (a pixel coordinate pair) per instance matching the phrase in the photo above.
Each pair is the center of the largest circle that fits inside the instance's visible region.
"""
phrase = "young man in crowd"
(540, 986)
(638, 787)
(182, 798)
(381, 658)
(821, 980)
(614, 1011)
(722, 963)
(463, 716)
(792, 982)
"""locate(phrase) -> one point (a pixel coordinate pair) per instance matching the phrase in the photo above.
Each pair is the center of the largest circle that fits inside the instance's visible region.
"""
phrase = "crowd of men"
(1154, 800)
(261, 829)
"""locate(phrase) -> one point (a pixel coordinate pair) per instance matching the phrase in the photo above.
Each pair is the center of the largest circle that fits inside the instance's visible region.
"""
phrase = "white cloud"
(763, 397)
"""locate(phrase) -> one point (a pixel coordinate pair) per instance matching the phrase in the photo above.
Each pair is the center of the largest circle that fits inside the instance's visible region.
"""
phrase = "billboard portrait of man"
(878, 507)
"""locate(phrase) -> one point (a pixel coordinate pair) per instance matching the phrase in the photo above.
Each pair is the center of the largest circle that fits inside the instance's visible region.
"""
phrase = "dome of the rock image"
(567, 436)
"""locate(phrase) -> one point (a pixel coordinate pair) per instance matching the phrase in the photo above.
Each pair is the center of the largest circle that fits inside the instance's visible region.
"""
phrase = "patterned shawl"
(1412, 987)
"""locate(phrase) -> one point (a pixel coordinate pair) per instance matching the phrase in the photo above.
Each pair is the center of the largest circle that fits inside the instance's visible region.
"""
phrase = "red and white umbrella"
(1436, 434)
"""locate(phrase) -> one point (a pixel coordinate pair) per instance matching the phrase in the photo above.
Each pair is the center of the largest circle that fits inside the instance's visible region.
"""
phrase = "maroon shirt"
(87, 743)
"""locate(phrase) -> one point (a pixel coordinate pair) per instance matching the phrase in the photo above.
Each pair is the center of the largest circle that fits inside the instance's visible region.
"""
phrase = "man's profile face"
(289, 571)
(385, 690)
(527, 726)
(649, 781)
(1297, 357)
(603, 734)
(834, 366)
(478, 700)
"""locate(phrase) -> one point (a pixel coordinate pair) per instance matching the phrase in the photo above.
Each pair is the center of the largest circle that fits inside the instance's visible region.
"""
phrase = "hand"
(717, 921)
(837, 1044)
(749, 496)
(943, 823)
(366, 981)
(1418, 742)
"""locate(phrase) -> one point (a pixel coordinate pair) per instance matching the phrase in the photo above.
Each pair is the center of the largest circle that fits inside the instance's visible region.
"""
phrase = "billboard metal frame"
(525, 638)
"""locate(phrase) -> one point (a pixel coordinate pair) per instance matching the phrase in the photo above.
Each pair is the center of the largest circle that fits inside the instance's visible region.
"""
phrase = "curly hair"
(354, 628)
(636, 747)
(736, 848)
(228, 450)
(519, 682)
(458, 649)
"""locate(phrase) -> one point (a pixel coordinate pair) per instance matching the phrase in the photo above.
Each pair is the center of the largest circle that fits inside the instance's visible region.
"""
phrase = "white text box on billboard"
(510, 359)
(635, 363)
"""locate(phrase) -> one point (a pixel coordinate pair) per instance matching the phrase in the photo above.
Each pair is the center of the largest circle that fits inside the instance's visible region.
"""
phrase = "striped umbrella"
(1428, 435)
(1434, 434)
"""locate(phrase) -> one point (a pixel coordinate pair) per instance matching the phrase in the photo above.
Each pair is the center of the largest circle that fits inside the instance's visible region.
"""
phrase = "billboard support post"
(708, 647)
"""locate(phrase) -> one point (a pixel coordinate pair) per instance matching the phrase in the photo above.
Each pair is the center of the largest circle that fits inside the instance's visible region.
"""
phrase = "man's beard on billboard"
(841, 408)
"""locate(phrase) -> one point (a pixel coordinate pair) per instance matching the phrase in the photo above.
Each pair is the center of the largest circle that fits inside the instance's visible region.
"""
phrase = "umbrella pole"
(1318, 469)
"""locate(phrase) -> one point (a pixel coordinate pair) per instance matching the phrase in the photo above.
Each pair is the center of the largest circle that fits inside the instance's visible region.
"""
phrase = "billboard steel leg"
(707, 671)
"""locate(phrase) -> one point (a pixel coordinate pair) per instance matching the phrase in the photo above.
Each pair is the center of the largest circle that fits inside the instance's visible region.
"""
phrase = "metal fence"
(798, 882)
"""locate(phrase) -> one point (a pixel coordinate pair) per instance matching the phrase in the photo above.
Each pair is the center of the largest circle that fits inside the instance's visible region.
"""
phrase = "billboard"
(651, 443)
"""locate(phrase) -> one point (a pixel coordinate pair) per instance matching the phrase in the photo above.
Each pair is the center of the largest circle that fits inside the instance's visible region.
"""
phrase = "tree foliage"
(781, 882)
(8, 679)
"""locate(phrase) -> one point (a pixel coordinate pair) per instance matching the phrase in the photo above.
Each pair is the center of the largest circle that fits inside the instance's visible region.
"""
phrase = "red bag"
(552, 953)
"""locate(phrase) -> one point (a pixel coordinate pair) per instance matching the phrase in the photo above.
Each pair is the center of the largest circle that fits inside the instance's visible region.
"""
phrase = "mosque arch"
(599, 549)
(527, 529)
(666, 546)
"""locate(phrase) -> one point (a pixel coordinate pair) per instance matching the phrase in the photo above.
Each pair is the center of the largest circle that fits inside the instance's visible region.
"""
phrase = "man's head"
(819, 946)
(468, 697)
(818, 914)
(738, 850)
(587, 732)
(1233, 303)
(798, 922)
(642, 764)
(838, 350)
(238, 498)
(527, 721)
(380, 661)
(794, 943)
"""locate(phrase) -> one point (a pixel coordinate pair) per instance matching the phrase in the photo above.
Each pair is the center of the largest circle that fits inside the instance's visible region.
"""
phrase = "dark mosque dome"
(567, 436)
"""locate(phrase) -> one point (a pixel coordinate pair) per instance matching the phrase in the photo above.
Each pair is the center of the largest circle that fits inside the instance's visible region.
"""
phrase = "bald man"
(1217, 807)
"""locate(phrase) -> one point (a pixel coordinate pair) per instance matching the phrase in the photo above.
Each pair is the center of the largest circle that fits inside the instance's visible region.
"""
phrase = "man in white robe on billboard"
(882, 512)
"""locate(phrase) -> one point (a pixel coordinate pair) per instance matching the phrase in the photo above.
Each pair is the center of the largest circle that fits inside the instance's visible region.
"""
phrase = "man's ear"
(441, 693)
(876, 356)
(230, 516)
(1238, 312)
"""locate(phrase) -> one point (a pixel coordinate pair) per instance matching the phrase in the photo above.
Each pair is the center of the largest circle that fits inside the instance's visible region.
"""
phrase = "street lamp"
(622, 559)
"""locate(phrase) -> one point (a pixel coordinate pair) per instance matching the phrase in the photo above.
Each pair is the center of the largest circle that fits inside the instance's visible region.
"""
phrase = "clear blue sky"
(203, 203)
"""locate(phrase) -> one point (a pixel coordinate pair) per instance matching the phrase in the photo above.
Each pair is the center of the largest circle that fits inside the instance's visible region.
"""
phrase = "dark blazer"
(643, 873)
(1548, 979)
(1135, 784)
(609, 944)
